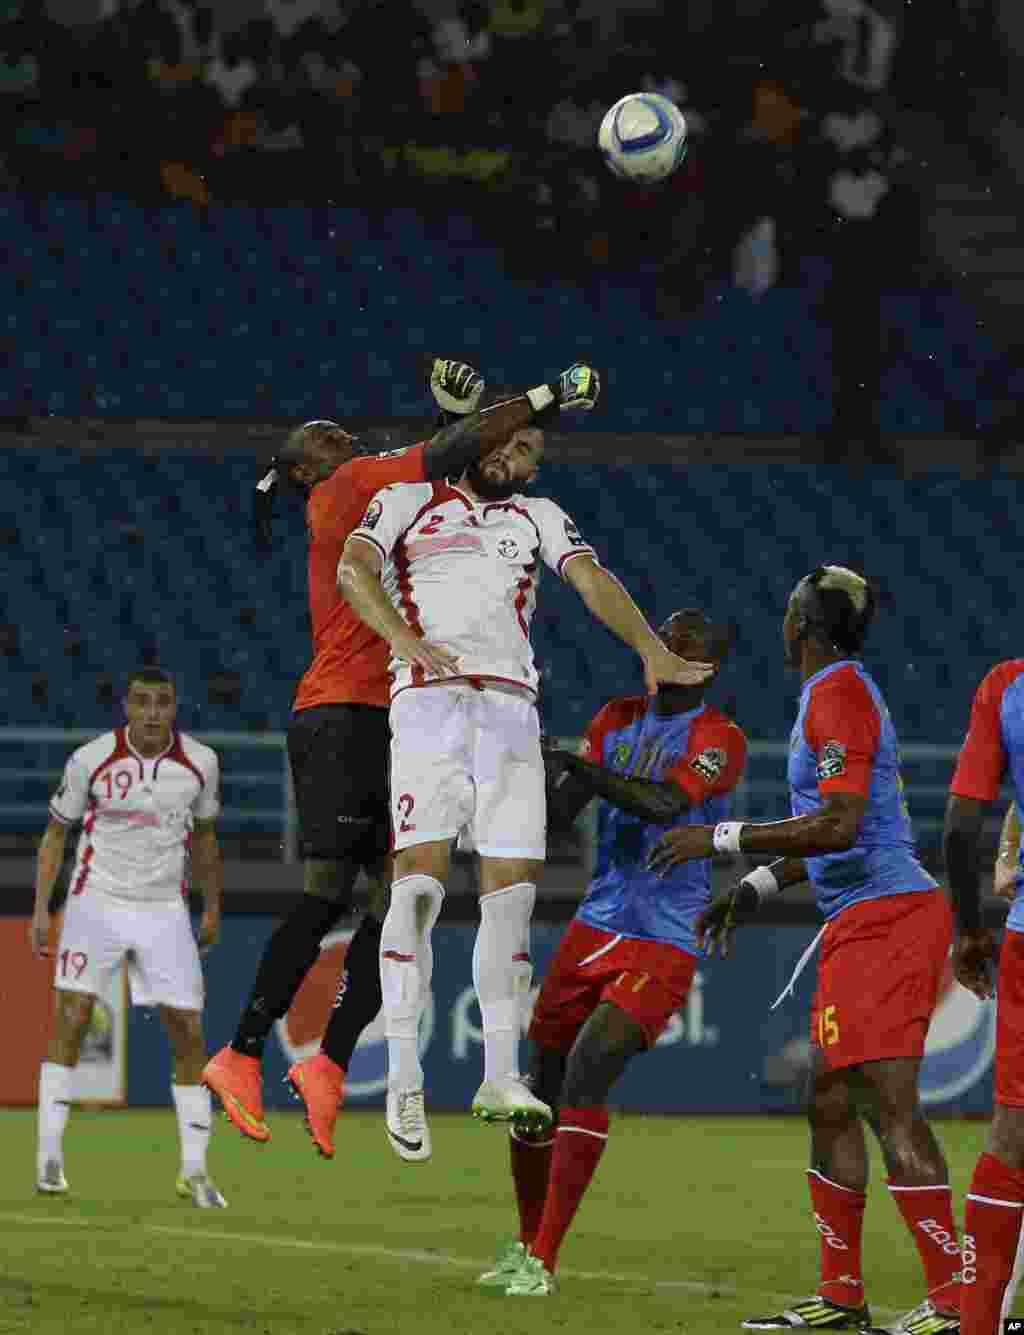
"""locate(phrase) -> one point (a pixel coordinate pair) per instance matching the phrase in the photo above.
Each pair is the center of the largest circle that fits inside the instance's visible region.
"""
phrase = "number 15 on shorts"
(828, 1028)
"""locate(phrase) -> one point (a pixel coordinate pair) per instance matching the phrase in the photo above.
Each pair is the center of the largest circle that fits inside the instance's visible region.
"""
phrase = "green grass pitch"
(690, 1225)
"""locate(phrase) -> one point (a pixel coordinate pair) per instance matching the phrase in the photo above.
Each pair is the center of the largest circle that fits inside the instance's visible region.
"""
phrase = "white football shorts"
(153, 938)
(465, 758)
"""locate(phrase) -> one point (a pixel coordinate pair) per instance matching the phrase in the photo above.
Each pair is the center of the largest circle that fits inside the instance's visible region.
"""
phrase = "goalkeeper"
(338, 737)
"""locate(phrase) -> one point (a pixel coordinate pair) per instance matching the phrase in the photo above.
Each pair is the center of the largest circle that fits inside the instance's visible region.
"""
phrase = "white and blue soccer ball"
(643, 137)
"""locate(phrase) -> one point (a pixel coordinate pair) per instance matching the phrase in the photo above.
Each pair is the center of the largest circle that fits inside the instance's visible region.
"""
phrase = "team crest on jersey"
(61, 791)
(710, 763)
(373, 513)
(620, 756)
(573, 534)
(508, 548)
(832, 761)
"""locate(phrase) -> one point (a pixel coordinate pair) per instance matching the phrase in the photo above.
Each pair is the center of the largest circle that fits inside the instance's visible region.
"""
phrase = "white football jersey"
(464, 572)
(137, 813)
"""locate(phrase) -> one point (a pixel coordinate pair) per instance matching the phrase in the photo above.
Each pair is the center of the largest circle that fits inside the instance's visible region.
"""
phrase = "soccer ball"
(643, 137)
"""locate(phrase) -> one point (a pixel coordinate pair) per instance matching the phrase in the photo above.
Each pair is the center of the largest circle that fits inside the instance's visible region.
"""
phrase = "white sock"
(54, 1107)
(501, 972)
(406, 965)
(195, 1118)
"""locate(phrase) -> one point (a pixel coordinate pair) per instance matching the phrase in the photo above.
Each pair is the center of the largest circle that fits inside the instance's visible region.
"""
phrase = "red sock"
(992, 1242)
(839, 1218)
(531, 1166)
(928, 1213)
(579, 1143)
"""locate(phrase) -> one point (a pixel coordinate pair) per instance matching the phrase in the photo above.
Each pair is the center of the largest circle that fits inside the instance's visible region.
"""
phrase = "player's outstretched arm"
(450, 451)
(359, 583)
(607, 600)
(49, 860)
(1004, 874)
(208, 877)
(975, 948)
(833, 828)
(656, 802)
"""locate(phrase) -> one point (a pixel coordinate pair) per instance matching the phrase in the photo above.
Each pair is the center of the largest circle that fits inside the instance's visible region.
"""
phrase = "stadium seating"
(112, 559)
(110, 309)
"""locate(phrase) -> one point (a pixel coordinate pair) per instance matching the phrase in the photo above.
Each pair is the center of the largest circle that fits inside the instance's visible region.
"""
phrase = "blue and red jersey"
(844, 741)
(994, 750)
(704, 753)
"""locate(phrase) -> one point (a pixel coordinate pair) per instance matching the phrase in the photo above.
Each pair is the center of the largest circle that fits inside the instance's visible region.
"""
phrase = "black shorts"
(339, 758)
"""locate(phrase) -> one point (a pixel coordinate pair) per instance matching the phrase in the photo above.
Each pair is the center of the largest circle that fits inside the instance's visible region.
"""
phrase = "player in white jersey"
(148, 799)
(460, 564)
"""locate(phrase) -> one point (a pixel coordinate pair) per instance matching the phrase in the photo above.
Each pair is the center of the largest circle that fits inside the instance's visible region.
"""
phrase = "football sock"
(195, 1118)
(580, 1139)
(359, 996)
(991, 1260)
(402, 957)
(287, 958)
(531, 1168)
(54, 1107)
(839, 1218)
(928, 1214)
(501, 962)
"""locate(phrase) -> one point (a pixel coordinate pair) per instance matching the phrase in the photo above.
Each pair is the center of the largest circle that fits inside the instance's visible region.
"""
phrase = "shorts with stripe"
(648, 980)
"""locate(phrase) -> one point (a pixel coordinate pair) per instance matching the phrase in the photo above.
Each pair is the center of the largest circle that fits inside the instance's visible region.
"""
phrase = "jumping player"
(460, 565)
(148, 797)
(992, 751)
(337, 745)
(885, 943)
(625, 964)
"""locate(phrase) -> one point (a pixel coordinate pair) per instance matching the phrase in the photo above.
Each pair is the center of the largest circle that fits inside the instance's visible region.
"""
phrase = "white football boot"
(200, 1191)
(406, 1124)
(510, 1101)
(51, 1181)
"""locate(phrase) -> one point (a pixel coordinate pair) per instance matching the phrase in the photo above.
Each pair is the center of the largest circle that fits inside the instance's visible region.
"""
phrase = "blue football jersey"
(844, 741)
(704, 752)
(994, 749)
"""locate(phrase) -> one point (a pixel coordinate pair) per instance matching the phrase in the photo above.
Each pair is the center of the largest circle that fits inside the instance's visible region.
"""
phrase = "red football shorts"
(647, 980)
(1010, 1022)
(879, 978)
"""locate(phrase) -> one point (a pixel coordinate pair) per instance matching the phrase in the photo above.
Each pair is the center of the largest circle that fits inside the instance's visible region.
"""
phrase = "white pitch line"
(408, 1255)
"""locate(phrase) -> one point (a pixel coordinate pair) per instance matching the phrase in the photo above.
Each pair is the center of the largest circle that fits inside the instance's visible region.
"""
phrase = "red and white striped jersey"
(137, 813)
(464, 572)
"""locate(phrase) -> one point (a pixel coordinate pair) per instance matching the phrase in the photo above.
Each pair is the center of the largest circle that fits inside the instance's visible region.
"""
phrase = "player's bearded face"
(509, 468)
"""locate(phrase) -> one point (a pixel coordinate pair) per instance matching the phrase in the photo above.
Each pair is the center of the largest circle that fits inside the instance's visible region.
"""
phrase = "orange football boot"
(320, 1084)
(237, 1081)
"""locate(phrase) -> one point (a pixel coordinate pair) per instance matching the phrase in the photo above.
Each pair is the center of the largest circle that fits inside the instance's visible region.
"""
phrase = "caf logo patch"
(573, 534)
(373, 513)
(832, 761)
(710, 763)
(620, 756)
(508, 548)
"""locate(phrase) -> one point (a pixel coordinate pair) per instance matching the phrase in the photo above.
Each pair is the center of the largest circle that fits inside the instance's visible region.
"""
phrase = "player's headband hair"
(276, 474)
(839, 606)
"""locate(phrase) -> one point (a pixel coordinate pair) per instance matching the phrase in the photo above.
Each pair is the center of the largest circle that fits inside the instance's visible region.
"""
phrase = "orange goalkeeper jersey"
(350, 662)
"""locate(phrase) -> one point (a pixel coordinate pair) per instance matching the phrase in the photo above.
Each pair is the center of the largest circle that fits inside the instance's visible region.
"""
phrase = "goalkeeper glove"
(455, 386)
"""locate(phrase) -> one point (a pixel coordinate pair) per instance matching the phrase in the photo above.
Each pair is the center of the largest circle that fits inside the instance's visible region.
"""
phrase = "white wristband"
(726, 838)
(540, 398)
(763, 880)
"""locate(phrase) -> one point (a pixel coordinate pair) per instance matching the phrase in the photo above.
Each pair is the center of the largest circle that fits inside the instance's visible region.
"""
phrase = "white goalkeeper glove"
(455, 386)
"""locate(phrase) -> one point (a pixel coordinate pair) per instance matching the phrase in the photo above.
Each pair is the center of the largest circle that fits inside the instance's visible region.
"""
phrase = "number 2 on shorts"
(405, 805)
(828, 1028)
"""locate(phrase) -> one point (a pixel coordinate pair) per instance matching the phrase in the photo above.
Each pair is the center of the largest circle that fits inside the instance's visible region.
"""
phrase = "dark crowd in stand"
(491, 107)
